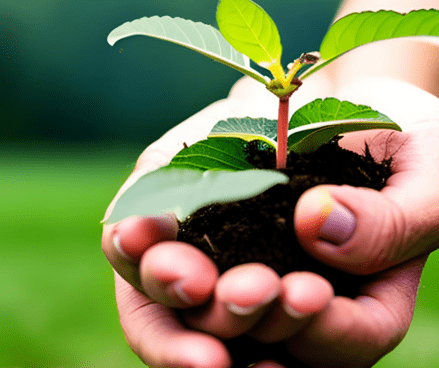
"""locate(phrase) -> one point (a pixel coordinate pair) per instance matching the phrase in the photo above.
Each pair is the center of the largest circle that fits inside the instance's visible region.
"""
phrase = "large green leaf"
(319, 121)
(247, 129)
(194, 35)
(183, 191)
(308, 138)
(358, 29)
(250, 30)
(331, 109)
(213, 154)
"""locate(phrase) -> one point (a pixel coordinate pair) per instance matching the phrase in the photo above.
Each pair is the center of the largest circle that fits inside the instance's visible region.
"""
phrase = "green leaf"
(311, 126)
(213, 154)
(307, 138)
(195, 36)
(359, 29)
(247, 129)
(185, 191)
(250, 30)
(331, 109)
(319, 121)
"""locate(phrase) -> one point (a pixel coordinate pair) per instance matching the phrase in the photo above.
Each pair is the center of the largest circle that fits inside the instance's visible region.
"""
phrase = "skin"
(163, 279)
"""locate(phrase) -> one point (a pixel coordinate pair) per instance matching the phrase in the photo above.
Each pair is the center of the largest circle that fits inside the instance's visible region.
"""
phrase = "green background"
(75, 113)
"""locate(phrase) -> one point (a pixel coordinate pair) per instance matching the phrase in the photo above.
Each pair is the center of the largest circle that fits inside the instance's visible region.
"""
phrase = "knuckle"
(387, 246)
(135, 322)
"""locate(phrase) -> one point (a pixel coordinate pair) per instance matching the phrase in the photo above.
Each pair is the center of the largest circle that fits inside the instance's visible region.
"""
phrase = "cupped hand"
(155, 274)
(300, 309)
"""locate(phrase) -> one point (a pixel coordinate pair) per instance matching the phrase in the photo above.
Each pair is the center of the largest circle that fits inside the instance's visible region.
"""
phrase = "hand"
(396, 229)
(343, 331)
(367, 327)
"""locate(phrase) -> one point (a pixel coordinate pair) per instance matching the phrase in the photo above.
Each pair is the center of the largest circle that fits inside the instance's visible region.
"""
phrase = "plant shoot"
(247, 32)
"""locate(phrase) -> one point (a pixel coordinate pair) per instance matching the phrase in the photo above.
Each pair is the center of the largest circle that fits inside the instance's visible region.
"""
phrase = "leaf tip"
(111, 39)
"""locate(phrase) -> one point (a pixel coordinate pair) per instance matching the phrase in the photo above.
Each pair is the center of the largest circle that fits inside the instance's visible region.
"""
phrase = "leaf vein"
(359, 33)
(395, 30)
(251, 29)
(219, 44)
(201, 144)
(175, 23)
(202, 39)
(419, 26)
(433, 30)
(383, 22)
(216, 159)
(427, 19)
(346, 28)
(338, 109)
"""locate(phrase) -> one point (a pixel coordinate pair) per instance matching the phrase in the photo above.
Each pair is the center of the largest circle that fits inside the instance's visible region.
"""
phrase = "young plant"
(216, 170)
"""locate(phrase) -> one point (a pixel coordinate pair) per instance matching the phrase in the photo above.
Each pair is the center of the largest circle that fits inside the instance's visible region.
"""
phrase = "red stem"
(282, 133)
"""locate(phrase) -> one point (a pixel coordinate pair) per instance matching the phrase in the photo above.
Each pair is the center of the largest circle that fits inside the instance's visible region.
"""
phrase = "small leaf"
(250, 30)
(247, 129)
(331, 109)
(195, 36)
(359, 29)
(308, 138)
(213, 154)
(185, 191)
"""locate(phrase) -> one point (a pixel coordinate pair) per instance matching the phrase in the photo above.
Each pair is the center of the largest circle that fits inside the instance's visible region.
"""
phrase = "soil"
(260, 229)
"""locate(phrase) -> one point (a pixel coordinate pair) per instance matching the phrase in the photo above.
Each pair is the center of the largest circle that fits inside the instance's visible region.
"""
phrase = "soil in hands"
(261, 229)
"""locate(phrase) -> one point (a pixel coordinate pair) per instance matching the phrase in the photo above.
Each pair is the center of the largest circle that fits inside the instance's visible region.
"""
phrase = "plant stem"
(282, 133)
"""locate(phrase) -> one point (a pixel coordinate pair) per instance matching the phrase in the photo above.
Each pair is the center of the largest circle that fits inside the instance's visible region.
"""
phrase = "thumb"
(363, 231)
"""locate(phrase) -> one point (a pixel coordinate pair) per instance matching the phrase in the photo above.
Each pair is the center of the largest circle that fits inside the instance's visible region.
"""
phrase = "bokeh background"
(75, 113)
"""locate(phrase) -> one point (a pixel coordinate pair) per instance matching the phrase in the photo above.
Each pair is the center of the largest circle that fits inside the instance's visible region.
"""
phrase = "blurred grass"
(57, 305)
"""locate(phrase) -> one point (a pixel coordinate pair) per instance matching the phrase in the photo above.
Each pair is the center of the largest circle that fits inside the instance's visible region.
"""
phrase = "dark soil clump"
(260, 229)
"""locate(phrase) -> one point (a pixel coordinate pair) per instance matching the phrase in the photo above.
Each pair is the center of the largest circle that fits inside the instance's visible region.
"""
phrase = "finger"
(177, 275)
(268, 364)
(124, 243)
(363, 231)
(341, 226)
(304, 294)
(135, 235)
(357, 333)
(350, 236)
(159, 339)
(241, 297)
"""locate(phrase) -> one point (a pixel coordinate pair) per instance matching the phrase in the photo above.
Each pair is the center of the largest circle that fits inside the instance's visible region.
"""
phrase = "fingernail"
(178, 289)
(117, 245)
(339, 226)
(241, 311)
(245, 311)
(292, 312)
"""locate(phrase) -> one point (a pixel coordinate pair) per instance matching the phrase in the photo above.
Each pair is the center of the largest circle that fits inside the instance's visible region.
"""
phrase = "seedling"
(216, 169)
